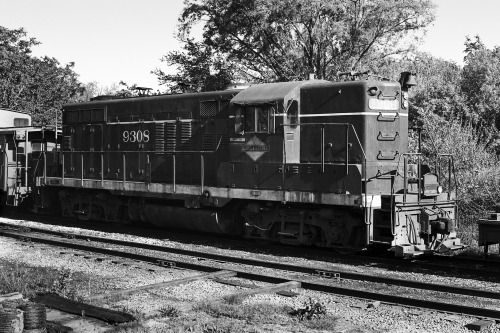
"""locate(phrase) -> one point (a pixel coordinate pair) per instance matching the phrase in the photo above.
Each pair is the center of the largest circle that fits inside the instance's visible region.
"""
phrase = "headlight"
(439, 189)
(404, 101)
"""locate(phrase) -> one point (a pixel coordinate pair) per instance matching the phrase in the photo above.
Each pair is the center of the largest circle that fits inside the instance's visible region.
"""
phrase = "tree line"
(284, 40)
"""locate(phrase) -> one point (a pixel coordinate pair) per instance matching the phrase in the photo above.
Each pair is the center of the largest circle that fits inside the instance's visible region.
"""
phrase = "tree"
(93, 89)
(282, 40)
(39, 86)
(199, 68)
(480, 85)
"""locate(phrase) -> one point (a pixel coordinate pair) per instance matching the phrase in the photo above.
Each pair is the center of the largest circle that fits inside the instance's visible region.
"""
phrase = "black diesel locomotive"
(305, 163)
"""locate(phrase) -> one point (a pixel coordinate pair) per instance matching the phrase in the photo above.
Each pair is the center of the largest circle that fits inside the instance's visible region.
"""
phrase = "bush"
(477, 168)
(310, 310)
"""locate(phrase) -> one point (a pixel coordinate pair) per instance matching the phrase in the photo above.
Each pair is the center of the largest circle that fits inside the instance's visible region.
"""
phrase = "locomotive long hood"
(269, 92)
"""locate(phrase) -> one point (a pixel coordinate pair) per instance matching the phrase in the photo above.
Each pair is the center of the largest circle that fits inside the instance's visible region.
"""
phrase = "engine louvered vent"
(159, 137)
(72, 117)
(224, 106)
(67, 143)
(208, 109)
(85, 116)
(208, 142)
(171, 136)
(97, 115)
(222, 142)
(186, 131)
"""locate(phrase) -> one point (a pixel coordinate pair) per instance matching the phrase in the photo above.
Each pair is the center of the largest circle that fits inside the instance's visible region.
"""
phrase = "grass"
(251, 313)
(28, 280)
(169, 311)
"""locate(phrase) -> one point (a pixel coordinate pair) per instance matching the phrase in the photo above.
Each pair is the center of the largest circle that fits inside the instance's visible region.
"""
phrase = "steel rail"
(342, 274)
(322, 287)
(435, 262)
(492, 275)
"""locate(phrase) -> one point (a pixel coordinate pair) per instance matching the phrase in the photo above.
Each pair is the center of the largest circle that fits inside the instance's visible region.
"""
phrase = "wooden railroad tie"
(480, 325)
(267, 290)
(252, 286)
(171, 283)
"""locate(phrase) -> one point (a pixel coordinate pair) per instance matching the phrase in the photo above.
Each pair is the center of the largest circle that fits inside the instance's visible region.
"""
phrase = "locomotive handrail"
(334, 124)
(347, 125)
(451, 171)
(124, 165)
(137, 151)
(405, 183)
(363, 171)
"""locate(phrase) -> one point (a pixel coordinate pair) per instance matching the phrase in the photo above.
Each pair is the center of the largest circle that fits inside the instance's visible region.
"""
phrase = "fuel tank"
(215, 221)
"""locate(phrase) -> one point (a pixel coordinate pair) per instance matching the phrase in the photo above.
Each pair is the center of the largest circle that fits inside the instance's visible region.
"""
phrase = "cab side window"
(262, 119)
(250, 119)
(253, 119)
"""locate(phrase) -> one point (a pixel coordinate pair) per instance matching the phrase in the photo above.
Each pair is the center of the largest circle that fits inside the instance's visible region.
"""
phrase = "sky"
(122, 40)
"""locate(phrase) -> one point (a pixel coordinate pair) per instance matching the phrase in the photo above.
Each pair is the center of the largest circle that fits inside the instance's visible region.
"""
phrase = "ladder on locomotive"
(17, 170)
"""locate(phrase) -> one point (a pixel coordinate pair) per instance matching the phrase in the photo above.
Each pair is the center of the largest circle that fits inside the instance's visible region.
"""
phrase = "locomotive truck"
(306, 163)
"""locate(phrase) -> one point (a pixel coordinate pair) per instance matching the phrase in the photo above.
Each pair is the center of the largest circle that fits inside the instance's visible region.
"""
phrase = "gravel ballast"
(155, 307)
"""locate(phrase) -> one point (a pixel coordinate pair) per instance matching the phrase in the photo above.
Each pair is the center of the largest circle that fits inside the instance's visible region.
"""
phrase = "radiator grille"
(159, 137)
(97, 115)
(224, 106)
(85, 116)
(186, 131)
(171, 136)
(72, 116)
(222, 142)
(208, 109)
(67, 143)
(208, 142)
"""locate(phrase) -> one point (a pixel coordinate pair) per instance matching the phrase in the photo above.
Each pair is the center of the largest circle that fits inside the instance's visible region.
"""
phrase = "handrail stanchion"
(420, 180)
(44, 167)
(102, 170)
(124, 165)
(81, 164)
(322, 150)
(173, 173)
(405, 176)
(202, 161)
(62, 171)
(347, 149)
(449, 177)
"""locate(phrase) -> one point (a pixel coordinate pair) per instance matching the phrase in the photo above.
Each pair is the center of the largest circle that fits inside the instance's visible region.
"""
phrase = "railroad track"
(309, 280)
(486, 270)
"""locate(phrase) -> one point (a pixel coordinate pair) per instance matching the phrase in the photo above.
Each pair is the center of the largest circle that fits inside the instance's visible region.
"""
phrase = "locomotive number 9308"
(135, 136)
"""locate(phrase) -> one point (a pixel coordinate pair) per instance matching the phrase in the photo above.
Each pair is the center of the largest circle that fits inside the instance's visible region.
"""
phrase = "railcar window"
(36, 146)
(262, 115)
(238, 120)
(250, 119)
(21, 122)
(292, 112)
